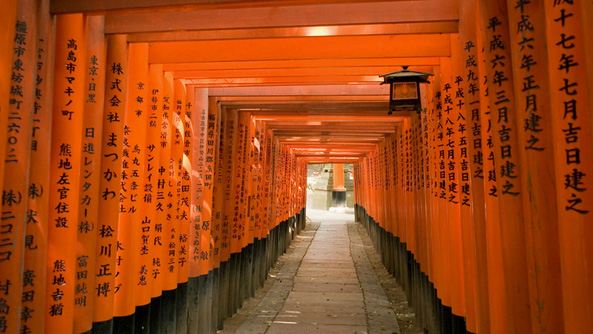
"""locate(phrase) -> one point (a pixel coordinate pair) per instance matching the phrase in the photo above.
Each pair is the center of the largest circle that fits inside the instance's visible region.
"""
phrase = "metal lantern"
(405, 89)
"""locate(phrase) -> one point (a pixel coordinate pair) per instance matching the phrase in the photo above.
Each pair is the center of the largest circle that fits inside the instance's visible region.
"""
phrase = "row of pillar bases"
(203, 303)
(433, 316)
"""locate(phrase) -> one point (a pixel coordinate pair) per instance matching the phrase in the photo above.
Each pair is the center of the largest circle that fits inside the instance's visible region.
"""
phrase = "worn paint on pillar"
(90, 174)
(571, 126)
(199, 118)
(32, 315)
(69, 95)
(153, 187)
(111, 160)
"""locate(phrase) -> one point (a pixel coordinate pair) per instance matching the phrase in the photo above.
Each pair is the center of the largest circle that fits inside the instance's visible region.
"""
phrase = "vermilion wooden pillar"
(158, 134)
(573, 156)
(494, 20)
(110, 183)
(131, 211)
(184, 182)
(38, 207)
(16, 133)
(153, 192)
(338, 191)
(462, 153)
(8, 19)
(534, 112)
(496, 283)
(199, 120)
(175, 157)
(89, 198)
(65, 168)
(471, 83)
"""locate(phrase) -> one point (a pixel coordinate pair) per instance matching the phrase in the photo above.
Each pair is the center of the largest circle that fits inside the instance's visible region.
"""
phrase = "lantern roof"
(405, 75)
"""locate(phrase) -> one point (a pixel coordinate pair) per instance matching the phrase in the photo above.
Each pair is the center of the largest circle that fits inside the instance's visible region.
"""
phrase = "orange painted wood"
(164, 192)
(443, 280)
(90, 177)
(496, 284)
(8, 19)
(471, 75)
(211, 75)
(573, 158)
(199, 119)
(466, 229)
(505, 128)
(138, 104)
(38, 207)
(301, 48)
(17, 191)
(218, 188)
(173, 167)
(284, 14)
(111, 160)
(154, 181)
(129, 277)
(228, 197)
(183, 181)
(339, 177)
(210, 137)
(187, 189)
(536, 148)
(334, 30)
(239, 200)
(65, 169)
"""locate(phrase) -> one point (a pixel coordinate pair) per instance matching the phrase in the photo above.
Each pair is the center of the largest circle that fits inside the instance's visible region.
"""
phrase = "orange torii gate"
(155, 157)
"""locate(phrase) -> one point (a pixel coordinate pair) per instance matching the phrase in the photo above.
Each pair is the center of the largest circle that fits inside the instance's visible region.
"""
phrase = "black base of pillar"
(338, 198)
(124, 325)
(142, 319)
(168, 312)
(433, 316)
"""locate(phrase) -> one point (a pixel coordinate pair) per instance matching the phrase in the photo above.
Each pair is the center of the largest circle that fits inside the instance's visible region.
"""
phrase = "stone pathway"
(324, 284)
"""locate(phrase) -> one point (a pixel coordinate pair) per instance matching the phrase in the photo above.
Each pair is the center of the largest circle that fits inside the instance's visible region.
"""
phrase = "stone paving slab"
(325, 285)
(283, 328)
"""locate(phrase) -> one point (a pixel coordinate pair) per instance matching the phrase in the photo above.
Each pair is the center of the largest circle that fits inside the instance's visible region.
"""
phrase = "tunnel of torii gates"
(155, 156)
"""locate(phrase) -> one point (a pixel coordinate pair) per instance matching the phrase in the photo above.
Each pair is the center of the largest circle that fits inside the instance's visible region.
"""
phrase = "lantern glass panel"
(404, 91)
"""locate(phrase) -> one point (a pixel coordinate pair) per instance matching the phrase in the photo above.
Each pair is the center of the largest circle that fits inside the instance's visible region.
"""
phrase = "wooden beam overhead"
(301, 63)
(144, 6)
(295, 72)
(288, 32)
(310, 14)
(295, 91)
(352, 47)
